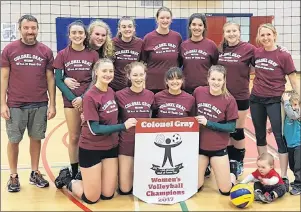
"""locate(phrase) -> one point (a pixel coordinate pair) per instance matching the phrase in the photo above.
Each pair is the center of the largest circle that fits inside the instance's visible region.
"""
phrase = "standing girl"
(100, 39)
(173, 102)
(271, 67)
(235, 56)
(217, 114)
(127, 49)
(161, 50)
(198, 53)
(98, 145)
(75, 61)
(133, 102)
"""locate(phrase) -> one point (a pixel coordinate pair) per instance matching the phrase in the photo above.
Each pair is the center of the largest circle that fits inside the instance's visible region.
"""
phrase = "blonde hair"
(97, 65)
(108, 47)
(267, 26)
(268, 157)
(224, 42)
(220, 69)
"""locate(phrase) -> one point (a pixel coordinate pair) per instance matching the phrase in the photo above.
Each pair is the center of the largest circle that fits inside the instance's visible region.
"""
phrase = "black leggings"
(259, 113)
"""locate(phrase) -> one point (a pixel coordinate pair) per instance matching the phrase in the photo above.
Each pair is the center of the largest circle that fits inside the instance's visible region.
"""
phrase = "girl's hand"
(71, 83)
(201, 120)
(131, 122)
(77, 103)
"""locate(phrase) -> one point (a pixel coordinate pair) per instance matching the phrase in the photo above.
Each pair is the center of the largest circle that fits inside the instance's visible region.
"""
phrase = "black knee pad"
(239, 134)
(224, 193)
(230, 150)
(106, 198)
(125, 193)
(84, 198)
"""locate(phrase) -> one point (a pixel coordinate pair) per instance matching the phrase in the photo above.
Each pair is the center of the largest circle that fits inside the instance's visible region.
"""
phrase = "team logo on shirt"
(266, 64)
(165, 48)
(167, 144)
(195, 54)
(28, 60)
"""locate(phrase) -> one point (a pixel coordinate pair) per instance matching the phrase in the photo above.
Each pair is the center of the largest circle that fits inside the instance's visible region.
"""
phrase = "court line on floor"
(49, 172)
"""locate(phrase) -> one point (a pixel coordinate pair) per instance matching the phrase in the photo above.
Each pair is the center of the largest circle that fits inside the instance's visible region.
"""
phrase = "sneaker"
(295, 191)
(78, 176)
(240, 168)
(292, 184)
(268, 197)
(63, 179)
(287, 183)
(258, 195)
(38, 180)
(13, 184)
(208, 171)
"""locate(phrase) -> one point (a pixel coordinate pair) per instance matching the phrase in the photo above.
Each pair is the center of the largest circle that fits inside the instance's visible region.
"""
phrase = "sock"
(230, 150)
(74, 169)
(238, 154)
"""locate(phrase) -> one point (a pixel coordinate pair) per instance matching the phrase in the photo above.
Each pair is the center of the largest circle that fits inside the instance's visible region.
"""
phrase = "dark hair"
(161, 9)
(223, 45)
(173, 72)
(128, 68)
(198, 16)
(28, 18)
(123, 18)
(80, 23)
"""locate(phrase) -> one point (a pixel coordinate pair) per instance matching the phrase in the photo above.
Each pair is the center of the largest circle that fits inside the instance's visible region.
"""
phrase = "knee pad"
(106, 198)
(224, 193)
(84, 198)
(239, 134)
(125, 193)
(200, 188)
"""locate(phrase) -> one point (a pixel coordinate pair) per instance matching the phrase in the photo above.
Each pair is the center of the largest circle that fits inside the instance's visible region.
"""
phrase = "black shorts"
(214, 153)
(89, 158)
(243, 104)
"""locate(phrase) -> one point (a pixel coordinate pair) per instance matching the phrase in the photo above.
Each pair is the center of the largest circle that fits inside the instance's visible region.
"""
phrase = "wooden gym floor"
(54, 155)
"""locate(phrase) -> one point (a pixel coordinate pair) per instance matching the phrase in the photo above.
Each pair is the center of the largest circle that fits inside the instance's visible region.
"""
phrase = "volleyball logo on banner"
(166, 160)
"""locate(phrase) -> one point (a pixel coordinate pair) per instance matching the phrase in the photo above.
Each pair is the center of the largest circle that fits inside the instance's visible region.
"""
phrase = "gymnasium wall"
(286, 15)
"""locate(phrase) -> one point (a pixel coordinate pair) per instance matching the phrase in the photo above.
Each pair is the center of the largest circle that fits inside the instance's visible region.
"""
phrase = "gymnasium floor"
(54, 156)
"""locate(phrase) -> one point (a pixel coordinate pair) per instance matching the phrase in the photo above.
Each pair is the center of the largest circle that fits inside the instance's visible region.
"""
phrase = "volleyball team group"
(108, 83)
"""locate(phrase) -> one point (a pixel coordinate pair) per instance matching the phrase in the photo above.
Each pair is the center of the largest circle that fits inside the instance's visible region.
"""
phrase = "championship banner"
(166, 160)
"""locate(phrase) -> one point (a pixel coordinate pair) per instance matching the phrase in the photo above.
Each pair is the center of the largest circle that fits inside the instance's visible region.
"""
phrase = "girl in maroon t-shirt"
(133, 102)
(173, 102)
(75, 61)
(271, 67)
(128, 49)
(217, 114)
(235, 56)
(101, 41)
(160, 50)
(198, 53)
(98, 144)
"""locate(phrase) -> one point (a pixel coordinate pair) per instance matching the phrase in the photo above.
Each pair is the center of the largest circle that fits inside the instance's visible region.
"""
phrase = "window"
(152, 3)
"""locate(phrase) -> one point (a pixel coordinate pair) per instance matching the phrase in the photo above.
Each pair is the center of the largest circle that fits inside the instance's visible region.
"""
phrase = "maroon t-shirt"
(174, 106)
(125, 53)
(216, 109)
(77, 65)
(160, 52)
(271, 67)
(197, 58)
(99, 106)
(237, 60)
(133, 105)
(27, 81)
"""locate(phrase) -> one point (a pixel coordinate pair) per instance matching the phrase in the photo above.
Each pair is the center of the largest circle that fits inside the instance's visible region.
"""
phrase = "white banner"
(166, 160)
(8, 31)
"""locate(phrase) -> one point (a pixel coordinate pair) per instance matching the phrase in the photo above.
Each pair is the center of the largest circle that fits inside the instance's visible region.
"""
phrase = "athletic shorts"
(34, 119)
(89, 158)
(215, 153)
(127, 149)
(243, 104)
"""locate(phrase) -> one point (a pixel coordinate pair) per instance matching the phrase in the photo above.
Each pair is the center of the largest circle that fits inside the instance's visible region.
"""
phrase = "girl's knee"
(226, 190)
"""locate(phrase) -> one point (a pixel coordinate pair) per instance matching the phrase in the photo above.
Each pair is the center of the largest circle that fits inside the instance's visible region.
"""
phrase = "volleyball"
(242, 195)
(160, 138)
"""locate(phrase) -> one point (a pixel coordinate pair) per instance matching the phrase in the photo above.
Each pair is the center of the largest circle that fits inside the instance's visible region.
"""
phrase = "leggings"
(259, 113)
